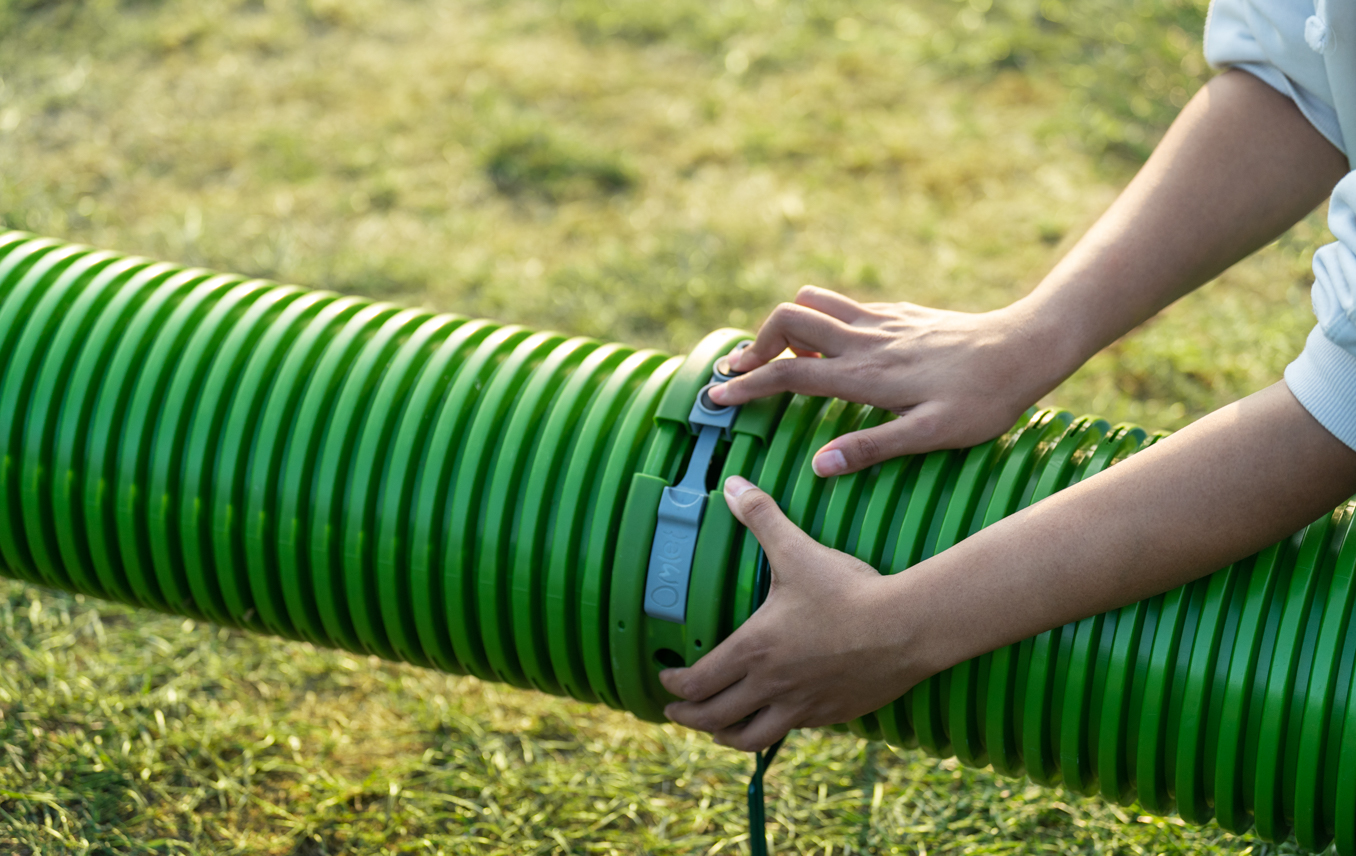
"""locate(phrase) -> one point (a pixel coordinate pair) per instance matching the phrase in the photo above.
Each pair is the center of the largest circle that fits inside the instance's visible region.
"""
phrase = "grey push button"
(722, 371)
(707, 414)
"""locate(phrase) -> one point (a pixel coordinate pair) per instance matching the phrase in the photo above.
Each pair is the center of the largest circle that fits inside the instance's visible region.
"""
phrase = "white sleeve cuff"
(1323, 379)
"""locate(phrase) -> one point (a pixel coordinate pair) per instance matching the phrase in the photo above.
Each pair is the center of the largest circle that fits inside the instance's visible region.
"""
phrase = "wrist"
(920, 646)
(1042, 344)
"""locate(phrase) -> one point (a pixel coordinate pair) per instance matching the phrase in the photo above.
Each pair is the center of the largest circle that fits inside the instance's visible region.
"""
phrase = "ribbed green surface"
(480, 498)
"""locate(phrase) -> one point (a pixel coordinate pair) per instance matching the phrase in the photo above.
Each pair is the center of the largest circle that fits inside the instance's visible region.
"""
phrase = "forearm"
(1227, 486)
(1238, 167)
(836, 639)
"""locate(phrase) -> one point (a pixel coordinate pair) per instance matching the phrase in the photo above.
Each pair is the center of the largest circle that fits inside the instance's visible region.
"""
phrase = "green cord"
(762, 582)
(757, 817)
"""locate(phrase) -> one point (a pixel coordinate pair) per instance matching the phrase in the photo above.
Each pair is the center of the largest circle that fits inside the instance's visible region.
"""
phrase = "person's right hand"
(954, 379)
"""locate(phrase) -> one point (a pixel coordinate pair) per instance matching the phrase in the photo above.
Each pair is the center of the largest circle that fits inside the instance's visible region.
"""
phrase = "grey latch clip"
(681, 506)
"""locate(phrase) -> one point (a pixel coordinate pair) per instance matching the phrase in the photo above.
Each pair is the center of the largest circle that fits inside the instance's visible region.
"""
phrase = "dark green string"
(757, 817)
(762, 581)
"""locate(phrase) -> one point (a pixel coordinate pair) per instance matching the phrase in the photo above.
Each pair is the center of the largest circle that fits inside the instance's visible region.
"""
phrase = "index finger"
(817, 376)
(718, 670)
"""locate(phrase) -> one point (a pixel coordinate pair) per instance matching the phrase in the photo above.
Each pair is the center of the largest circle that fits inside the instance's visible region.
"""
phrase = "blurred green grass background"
(629, 169)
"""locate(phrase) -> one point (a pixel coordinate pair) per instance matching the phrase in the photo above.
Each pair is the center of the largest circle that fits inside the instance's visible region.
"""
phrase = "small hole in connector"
(697, 643)
(669, 659)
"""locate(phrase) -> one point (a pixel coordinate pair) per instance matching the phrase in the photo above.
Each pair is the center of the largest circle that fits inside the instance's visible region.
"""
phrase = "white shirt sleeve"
(1323, 377)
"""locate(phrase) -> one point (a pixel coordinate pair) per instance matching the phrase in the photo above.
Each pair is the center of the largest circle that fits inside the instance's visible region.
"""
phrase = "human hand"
(955, 379)
(829, 644)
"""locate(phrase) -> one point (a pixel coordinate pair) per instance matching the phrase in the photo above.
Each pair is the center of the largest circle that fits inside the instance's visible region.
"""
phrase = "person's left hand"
(832, 641)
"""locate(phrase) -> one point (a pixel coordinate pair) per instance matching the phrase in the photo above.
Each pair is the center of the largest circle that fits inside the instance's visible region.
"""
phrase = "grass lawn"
(635, 170)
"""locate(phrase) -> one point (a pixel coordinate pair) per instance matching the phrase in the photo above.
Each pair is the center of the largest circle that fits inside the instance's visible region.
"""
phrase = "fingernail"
(735, 485)
(668, 711)
(829, 463)
(717, 393)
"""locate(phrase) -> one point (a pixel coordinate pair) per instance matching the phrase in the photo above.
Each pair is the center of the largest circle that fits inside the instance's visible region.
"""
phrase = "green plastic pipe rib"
(481, 499)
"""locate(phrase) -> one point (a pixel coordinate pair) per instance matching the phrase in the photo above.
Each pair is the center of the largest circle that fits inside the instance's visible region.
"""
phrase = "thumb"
(759, 512)
(914, 433)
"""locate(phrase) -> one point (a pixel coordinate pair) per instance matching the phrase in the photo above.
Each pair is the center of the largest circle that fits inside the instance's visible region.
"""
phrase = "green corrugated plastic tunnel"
(481, 499)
